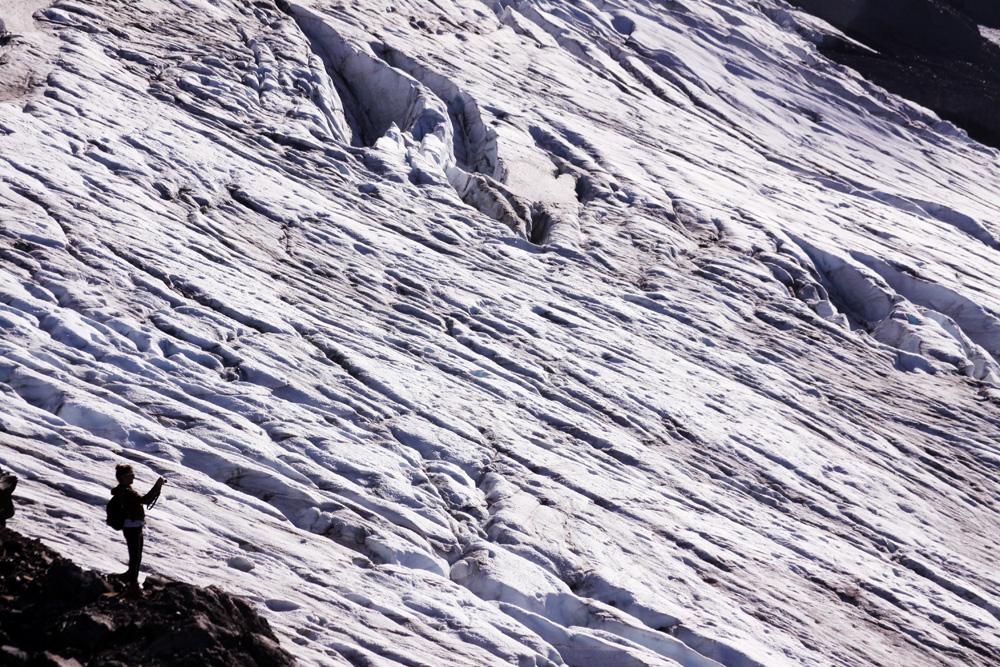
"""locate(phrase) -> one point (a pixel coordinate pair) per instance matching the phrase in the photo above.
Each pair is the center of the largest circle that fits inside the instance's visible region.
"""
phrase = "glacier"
(532, 332)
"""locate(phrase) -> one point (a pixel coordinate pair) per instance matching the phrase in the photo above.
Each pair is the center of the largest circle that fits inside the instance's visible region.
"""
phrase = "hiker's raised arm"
(154, 492)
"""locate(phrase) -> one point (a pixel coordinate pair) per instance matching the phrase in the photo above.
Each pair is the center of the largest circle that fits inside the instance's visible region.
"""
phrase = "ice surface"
(992, 34)
(535, 333)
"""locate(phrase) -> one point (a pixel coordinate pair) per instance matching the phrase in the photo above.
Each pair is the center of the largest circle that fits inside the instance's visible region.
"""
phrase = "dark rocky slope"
(929, 51)
(984, 12)
(55, 613)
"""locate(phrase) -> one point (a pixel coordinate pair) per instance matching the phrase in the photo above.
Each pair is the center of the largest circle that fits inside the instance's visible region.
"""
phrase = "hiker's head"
(124, 473)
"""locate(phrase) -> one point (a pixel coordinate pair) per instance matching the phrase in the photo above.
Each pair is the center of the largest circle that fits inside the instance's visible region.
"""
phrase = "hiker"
(8, 483)
(126, 513)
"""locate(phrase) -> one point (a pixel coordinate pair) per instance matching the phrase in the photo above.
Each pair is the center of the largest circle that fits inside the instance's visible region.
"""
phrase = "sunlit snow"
(538, 332)
(992, 34)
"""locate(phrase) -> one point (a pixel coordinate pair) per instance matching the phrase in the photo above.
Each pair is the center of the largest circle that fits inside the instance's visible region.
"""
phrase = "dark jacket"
(7, 485)
(133, 503)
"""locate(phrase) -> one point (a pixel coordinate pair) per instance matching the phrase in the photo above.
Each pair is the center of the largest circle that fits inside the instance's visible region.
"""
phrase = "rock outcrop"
(928, 51)
(55, 613)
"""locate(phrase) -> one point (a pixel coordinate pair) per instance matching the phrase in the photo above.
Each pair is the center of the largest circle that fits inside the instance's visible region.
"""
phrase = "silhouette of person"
(8, 483)
(135, 519)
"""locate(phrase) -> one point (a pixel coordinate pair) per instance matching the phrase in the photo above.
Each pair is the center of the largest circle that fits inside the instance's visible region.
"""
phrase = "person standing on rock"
(126, 513)
(8, 483)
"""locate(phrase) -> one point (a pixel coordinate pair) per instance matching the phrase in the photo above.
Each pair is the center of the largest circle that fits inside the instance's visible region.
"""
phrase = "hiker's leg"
(133, 538)
(129, 534)
(138, 559)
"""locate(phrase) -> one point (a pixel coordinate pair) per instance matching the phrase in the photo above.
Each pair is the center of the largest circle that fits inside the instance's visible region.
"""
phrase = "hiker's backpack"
(116, 513)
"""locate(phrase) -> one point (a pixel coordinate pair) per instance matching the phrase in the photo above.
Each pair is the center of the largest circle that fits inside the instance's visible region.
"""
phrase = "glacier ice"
(526, 332)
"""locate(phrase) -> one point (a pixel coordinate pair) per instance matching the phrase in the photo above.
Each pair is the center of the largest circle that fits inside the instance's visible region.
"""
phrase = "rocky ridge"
(932, 52)
(56, 613)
